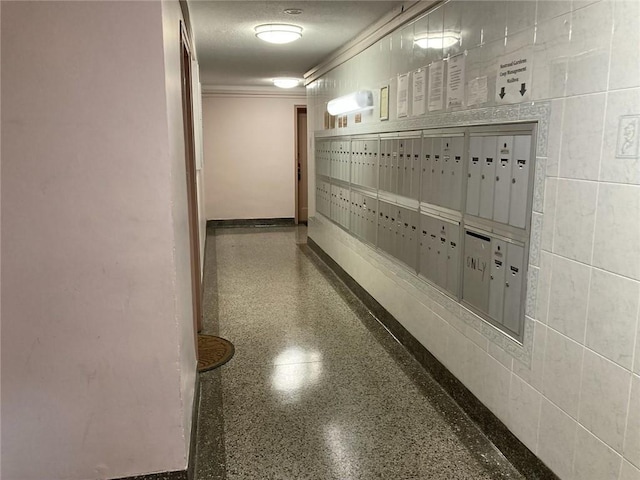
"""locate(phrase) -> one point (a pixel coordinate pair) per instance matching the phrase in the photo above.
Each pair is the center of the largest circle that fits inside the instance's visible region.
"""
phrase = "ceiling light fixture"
(446, 39)
(353, 102)
(278, 33)
(286, 82)
(293, 11)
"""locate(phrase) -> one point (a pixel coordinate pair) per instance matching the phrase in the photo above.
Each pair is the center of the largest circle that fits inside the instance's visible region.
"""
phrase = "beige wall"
(97, 366)
(249, 146)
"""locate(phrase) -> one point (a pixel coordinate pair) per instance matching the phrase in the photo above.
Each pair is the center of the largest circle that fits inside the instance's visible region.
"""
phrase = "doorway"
(302, 200)
(192, 195)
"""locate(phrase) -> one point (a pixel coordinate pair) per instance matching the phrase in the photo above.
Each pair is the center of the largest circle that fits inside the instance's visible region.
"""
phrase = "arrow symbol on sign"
(522, 89)
(501, 94)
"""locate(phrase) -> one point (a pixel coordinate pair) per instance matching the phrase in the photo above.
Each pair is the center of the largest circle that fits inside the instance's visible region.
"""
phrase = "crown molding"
(403, 13)
(238, 91)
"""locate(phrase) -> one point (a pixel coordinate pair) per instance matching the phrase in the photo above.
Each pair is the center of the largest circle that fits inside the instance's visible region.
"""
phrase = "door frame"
(186, 80)
(297, 110)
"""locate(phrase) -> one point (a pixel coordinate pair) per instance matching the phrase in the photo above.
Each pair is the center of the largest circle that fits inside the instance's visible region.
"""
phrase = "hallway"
(317, 388)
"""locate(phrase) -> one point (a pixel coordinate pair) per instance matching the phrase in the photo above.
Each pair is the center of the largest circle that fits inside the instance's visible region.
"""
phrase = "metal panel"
(520, 180)
(424, 242)
(416, 161)
(393, 167)
(447, 162)
(453, 257)
(503, 179)
(474, 171)
(455, 173)
(402, 147)
(487, 178)
(427, 158)
(496, 289)
(437, 173)
(476, 270)
(514, 288)
(442, 252)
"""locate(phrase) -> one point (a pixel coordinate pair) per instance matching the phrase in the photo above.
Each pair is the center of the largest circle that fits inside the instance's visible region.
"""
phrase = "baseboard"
(251, 222)
(177, 475)
(523, 459)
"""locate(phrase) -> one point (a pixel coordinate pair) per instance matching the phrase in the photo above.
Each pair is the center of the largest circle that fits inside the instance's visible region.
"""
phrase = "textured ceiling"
(230, 54)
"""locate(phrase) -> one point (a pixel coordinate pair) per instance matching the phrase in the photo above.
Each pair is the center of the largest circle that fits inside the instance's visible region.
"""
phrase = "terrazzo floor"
(317, 388)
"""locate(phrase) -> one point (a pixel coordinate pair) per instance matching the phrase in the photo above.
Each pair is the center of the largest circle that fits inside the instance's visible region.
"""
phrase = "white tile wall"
(604, 399)
(594, 460)
(574, 397)
(612, 318)
(568, 297)
(632, 438)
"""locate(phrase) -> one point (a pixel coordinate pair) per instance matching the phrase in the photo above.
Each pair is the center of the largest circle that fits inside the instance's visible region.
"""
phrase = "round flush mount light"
(278, 33)
(446, 39)
(286, 82)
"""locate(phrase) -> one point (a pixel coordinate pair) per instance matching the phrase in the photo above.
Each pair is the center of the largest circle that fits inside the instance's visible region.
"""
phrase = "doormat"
(213, 352)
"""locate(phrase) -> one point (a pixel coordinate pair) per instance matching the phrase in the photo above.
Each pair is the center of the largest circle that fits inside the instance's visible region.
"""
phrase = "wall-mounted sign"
(384, 103)
(436, 85)
(456, 81)
(513, 81)
(403, 95)
(419, 91)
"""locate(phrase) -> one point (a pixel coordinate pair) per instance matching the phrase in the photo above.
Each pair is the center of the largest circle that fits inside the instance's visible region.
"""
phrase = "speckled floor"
(317, 388)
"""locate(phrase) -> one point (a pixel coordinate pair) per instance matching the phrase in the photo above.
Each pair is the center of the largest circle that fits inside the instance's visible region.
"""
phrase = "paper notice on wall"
(513, 81)
(419, 91)
(456, 81)
(436, 85)
(477, 92)
(403, 95)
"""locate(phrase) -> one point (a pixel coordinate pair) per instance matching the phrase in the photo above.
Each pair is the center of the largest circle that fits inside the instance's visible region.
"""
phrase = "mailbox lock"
(513, 180)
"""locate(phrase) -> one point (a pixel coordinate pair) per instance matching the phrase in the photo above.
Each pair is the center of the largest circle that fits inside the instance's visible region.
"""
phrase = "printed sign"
(456, 81)
(513, 81)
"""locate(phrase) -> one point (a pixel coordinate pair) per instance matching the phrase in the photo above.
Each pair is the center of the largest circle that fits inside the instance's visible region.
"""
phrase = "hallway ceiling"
(230, 54)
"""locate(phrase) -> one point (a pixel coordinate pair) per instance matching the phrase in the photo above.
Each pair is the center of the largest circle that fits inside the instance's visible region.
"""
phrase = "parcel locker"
(497, 279)
(453, 258)
(402, 165)
(436, 172)
(514, 286)
(487, 176)
(415, 168)
(427, 158)
(503, 179)
(474, 172)
(476, 270)
(520, 173)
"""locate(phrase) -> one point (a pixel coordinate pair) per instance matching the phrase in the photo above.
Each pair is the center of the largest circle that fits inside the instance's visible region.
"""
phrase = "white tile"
(532, 374)
(625, 54)
(501, 355)
(568, 297)
(611, 320)
(556, 439)
(604, 399)
(548, 9)
(631, 450)
(555, 137)
(561, 379)
(589, 49)
(544, 287)
(617, 235)
(524, 411)
(575, 219)
(636, 363)
(594, 460)
(497, 382)
(548, 222)
(550, 61)
(520, 15)
(582, 137)
(629, 472)
(617, 167)
(487, 21)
